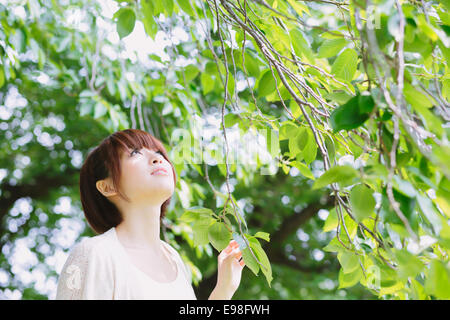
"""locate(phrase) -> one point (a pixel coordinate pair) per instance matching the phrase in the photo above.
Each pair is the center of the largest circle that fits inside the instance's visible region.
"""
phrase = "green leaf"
(376, 171)
(407, 205)
(348, 260)
(262, 235)
(387, 137)
(446, 86)
(365, 103)
(350, 115)
(362, 202)
(350, 225)
(345, 175)
(207, 83)
(262, 257)
(230, 85)
(272, 142)
(301, 47)
(383, 35)
(218, 235)
(430, 212)
(415, 96)
(86, 107)
(298, 140)
(409, 265)
(310, 151)
(329, 143)
(231, 119)
(200, 228)
(419, 46)
(445, 50)
(237, 56)
(2, 77)
(347, 280)
(331, 47)
(190, 72)
(425, 27)
(100, 110)
(238, 215)
(437, 282)
(158, 7)
(168, 7)
(304, 170)
(196, 213)
(251, 64)
(186, 7)
(201, 231)
(150, 26)
(418, 291)
(344, 67)
(288, 130)
(339, 97)
(126, 20)
(335, 245)
(266, 84)
(299, 7)
(86, 94)
(446, 4)
(331, 222)
(390, 287)
(250, 261)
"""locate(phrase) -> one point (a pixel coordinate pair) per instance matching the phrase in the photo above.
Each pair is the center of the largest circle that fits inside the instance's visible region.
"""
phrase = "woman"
(126, 184)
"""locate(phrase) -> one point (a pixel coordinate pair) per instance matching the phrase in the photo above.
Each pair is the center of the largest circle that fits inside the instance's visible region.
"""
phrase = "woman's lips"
(160, 172)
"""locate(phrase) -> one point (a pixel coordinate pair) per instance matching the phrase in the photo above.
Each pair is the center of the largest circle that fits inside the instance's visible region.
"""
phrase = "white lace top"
(100, 268)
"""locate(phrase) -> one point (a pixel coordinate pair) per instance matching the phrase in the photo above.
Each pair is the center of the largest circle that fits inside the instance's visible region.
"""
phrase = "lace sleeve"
(86, 275)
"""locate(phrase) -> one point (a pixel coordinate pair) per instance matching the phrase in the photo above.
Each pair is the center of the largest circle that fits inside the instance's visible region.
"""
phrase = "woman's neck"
(140, 228)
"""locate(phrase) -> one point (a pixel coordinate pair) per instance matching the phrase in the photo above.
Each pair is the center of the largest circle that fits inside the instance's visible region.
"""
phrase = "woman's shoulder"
(171, 248)
(97, 245)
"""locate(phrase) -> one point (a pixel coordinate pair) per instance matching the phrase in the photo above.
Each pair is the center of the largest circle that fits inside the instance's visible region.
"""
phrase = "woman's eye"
(137, 150)
(134, 151)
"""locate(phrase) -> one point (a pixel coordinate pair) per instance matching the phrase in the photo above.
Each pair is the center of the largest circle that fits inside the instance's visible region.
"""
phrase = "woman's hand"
(229, 271)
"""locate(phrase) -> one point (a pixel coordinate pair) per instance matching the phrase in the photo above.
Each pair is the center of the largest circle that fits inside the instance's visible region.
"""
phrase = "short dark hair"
(104, 161)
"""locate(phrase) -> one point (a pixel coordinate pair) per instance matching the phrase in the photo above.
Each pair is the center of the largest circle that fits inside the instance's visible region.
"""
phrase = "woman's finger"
(233, 244)
(227, 251)
(232, 253)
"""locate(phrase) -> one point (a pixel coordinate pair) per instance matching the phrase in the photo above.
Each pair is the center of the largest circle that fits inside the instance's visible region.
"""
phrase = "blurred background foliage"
(72, 72)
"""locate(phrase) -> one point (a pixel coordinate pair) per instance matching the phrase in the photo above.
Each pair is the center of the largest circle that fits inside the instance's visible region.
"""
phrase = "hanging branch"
(416, 133)
(230, 197)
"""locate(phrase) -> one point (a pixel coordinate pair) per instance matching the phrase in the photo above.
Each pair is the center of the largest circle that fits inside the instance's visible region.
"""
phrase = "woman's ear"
(105, 187)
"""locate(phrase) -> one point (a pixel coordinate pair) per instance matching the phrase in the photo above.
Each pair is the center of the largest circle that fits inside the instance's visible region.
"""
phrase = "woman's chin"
(163, 193)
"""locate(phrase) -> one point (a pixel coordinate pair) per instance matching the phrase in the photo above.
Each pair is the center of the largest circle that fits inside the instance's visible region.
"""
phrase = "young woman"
(126, 184)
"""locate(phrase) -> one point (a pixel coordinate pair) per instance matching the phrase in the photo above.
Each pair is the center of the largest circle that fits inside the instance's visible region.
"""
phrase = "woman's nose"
(156, 160)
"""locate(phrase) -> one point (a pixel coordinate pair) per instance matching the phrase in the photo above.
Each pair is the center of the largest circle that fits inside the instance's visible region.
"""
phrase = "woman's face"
(146, 176)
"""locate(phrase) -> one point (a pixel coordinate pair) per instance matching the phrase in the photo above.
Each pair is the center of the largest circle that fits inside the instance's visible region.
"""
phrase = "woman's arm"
(220, 293)
(229, 272)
